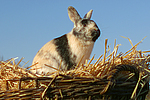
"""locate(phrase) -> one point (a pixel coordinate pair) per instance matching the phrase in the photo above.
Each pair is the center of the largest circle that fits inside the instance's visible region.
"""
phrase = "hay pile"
(112, 73)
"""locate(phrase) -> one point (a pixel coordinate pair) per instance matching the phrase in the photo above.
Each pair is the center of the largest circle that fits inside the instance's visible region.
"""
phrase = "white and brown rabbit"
(68, 49)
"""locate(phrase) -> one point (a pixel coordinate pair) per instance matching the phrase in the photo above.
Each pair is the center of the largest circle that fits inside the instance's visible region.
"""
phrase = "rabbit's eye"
(84, 22)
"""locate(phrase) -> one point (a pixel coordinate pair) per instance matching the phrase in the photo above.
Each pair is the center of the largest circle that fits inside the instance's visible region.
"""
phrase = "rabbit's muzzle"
(95, 34)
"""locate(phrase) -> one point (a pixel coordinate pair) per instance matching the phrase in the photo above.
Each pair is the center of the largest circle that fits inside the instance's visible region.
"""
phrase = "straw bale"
(112, 73)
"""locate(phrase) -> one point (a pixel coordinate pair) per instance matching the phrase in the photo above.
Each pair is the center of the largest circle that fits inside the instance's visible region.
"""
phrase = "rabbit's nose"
(95, 34)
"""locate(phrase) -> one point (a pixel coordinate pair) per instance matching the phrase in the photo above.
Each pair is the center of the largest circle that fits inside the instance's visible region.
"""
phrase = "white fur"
(42, 59)
(79, 48)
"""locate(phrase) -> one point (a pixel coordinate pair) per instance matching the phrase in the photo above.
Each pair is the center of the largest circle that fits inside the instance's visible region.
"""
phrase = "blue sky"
(26, 25)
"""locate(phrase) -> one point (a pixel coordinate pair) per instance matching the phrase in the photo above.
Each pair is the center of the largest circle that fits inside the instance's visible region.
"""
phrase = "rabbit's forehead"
(89, 23)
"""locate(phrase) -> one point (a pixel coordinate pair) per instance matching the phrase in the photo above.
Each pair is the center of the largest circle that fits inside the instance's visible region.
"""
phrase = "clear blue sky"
(26, 25)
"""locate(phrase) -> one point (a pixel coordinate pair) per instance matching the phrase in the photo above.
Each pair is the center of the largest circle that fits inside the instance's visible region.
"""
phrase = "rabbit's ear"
(73, 14)
(88, 15)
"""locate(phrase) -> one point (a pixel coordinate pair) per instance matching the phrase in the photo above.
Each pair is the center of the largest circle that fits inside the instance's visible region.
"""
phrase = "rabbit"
(68, 49)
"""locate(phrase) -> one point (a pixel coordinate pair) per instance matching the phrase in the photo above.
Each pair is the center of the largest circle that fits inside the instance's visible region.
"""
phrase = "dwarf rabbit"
(68, 49)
